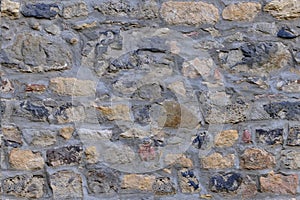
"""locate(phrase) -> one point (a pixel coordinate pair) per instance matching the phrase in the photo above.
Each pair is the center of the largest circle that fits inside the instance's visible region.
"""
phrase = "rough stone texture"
(241, 11)
(70, 155)
(283, 110)
(217, 161)
(228, 182)
(12, 135)
(138, 182)
(25, 186)
(163, 186)
(35, 88)
(73, 86)
(290, 159)
(226, 138)
(40, 10)
(188, 182)
(279, 184)
(179, 160)
(66, 132)
(270, 137)
(25, 160)
(293, 138)
(10, 9)
(75, 10)
(115, 112)
(41, 138)
(255, 159)
(66, 185)
(283, 9)
(189, 13)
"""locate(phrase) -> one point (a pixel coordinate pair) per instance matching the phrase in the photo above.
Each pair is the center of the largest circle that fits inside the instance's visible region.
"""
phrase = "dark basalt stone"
(270, 137)
(225, 183)
(36, 111)
(64, 156)
(40, 10)
(286, 34)
(283, 110)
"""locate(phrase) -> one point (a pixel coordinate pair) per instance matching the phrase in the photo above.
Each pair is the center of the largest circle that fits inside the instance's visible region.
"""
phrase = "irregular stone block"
(75, 10)
(138, 182)
(12, 135)
(35, 88)
(188, 182)
(226, 138)
(283, 9)
(228, 182)
(189, 13)
(286, 33)
(179, 160)
(10, 9)
(66, 185)
(66, 132)
(217, 161)
(37, 112)
(68, 113)
(163, 186)
(293, 138)
(103, 180)
(40, 10)
(26, 186)
(256, 159)
(290, 159)
(25, 160)
(91, 154)
(270, 137)
(39, 137)
(283, 110)
(279, 184)
(245, 11)
(70, 155)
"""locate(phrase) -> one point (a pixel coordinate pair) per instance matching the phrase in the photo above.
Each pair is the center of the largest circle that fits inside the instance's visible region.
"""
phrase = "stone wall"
(149, 99)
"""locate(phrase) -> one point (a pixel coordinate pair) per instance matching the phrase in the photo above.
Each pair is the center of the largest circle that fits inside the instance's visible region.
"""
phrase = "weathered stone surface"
(283, 110)
(247, 138)
(289, 86)
(36, 53)
(138, 182)
(6, 86)
(25, 159)
(77, 9)
(91, 154)
(248, 188)
(189, 13)
(245, 11)
(217, 161)
(163, 186)
(12, 135)
(84, 25)
(179, 160)
(121, 154)
(52, 29)
(37, 112)
(103, 180)
(66, 185)
(270, 137)
(255, 159)
(146, 150)
(290, 159)
(198, 67)
(73, 86)
(68, 113)
(293, 138)
(35, 88)
(279, 184)
(283, 9)
(66, 132)
(226, 138)
(70, 155)
(188, 182)
(37, 137)
(26, 186)
(286, 33)
(115, 112)
(40, 10)
(10, 9)
(228, 182)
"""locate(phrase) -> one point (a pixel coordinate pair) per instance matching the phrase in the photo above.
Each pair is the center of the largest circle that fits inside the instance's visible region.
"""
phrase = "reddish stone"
(246, 136)
(255, 159)
(146, 151)
(35, 88)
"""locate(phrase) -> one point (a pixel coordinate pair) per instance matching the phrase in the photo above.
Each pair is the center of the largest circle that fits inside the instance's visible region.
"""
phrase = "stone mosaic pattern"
(129, 99)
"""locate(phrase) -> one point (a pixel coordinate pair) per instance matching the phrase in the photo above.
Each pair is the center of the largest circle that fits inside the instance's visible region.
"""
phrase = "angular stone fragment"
(189, 13)
(40, 10)
(188, 182)
(70, 155)
(25, 160)
(73, 86)
(36, 111)
(103, 180)
(283, 110)
(66, 185)
(290, 159)
(217, 161)
(293, 138)
(245, 11)
(228, 182)
(68, 113)
(138, 182)
(26, 186)
(11, 135)
(279, 184)
(163, 186)
(39, 137)
(10, 9)
(91, 154)
(283, 9)
(66, 132)
(256, 159)
(77, 9)
(115, 112)
(270, 137)
(226, 138)
(179, 160)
